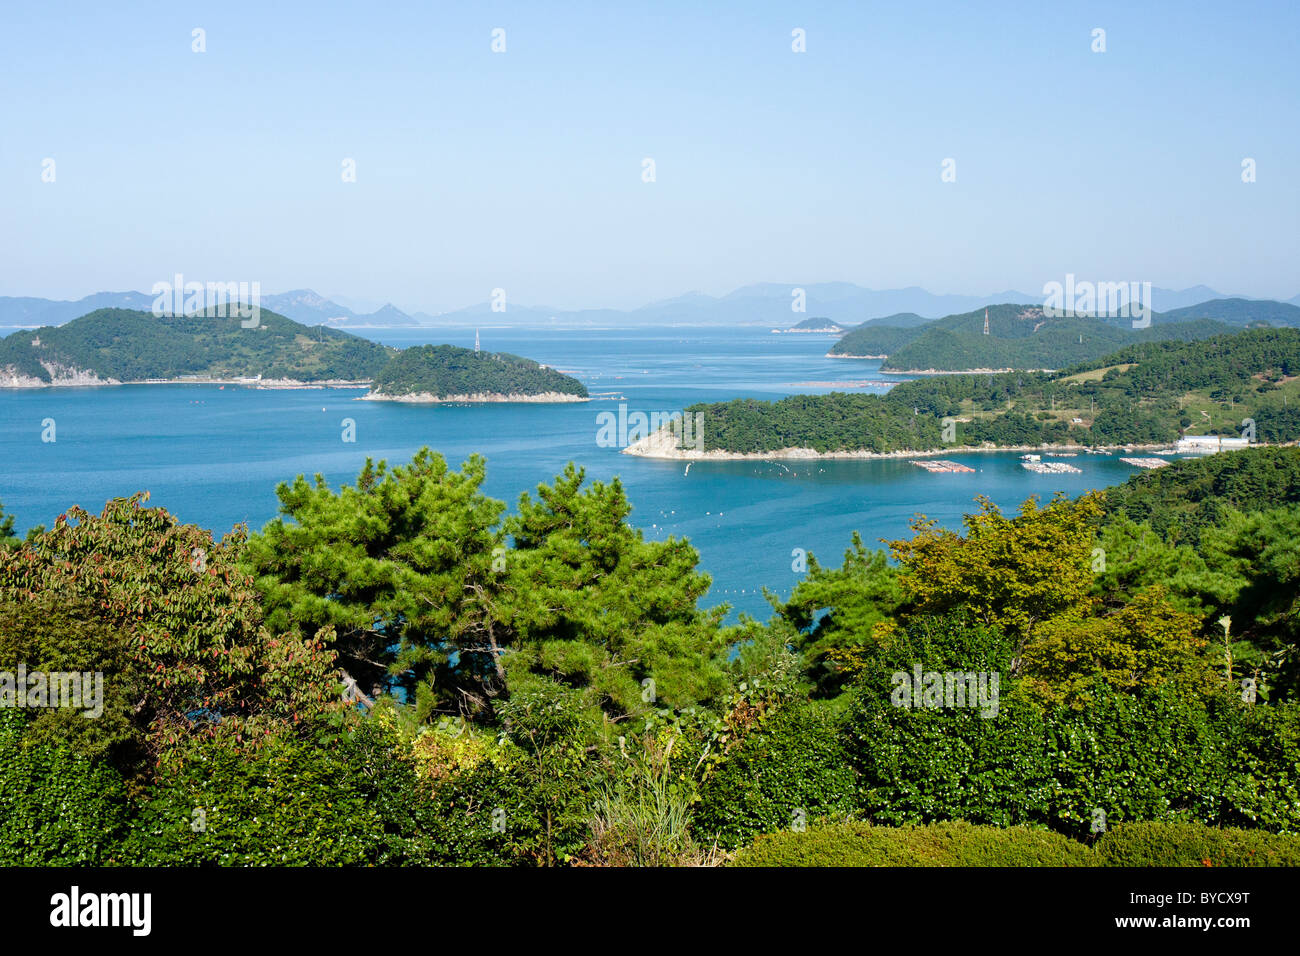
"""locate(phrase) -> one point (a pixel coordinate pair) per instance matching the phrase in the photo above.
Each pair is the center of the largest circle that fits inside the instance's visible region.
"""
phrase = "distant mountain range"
(301, 305)
(767, 303)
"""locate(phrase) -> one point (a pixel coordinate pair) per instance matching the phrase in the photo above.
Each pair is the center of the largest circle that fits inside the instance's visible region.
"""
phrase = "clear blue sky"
(522, 170)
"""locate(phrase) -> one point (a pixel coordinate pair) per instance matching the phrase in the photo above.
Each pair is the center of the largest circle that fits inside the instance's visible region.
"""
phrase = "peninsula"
(1244, 384)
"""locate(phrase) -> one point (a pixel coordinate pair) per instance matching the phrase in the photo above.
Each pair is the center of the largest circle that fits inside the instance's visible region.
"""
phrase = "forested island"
(432, 373)
(1023, 337)
(398, 672)
(1144, 394)
(119, 346)
(815, 324)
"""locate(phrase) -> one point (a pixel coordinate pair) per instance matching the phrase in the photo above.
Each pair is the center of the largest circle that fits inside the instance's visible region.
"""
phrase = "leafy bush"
(194, 621)
(285, 803)
(55, 633)
(1154, 755)
(58, 808)
(791, 766)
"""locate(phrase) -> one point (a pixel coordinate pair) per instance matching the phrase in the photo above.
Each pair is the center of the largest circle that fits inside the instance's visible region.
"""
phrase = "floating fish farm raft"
(1050, 468)
(941, 466)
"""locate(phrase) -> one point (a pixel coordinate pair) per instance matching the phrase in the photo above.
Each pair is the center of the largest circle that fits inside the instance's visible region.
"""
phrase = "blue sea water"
(213, 455)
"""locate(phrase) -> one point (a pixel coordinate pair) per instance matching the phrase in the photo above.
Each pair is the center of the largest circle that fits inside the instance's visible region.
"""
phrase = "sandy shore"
(426, 398)
(662, 444)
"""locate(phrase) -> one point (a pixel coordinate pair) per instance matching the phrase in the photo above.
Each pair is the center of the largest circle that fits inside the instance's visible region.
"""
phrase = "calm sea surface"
(213, 456)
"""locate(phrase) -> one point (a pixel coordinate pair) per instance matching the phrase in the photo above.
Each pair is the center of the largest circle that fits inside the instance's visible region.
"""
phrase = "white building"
(1209, 444)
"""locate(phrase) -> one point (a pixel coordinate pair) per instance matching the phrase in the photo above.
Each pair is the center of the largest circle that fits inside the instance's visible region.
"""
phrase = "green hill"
(122, 345)
(443, 371)
(1239, 312)
(1020, 337)
(873, 341)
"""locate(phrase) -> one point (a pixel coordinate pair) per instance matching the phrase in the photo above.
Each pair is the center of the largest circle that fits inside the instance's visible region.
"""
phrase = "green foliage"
(58, 808)
(193, 618)
(1180, 501)
(1202, 538)
(1013, 573)
(1146, 643)
(916, 765)
(605, 719)
(1151, 755)
(872, 340)
(1019, 336)
(856, 598)
(643, 818)
(821, 422)
(596, 606)
(445, 370)
(1137, 558)
(1253, 575)
(54, 633)
(852, 843)
(7, 537)
(1191, 844)
(283, 803)
(411, 571)
(400, 566)
(530, 805)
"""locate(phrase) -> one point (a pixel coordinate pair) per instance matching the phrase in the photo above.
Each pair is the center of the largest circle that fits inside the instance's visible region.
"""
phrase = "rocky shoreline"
(662, 444)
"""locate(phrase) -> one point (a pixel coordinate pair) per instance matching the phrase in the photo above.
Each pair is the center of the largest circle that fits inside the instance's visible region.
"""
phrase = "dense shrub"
(283, 803)
(791, 767)
(53, 632)
(1263, 744)
(1149, 756)
(57, 807)
(920, 765)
